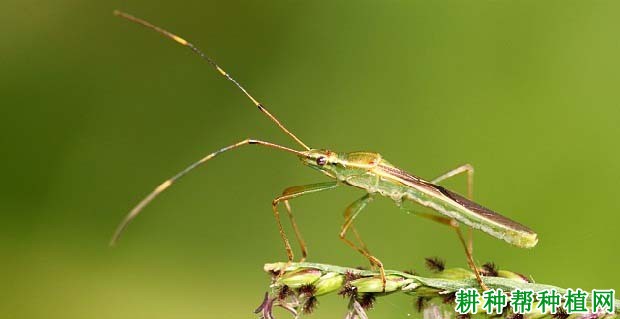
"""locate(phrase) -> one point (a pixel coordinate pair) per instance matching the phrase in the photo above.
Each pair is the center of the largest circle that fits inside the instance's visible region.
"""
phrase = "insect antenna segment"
(169, 182)
(194, 49)
(165, 185)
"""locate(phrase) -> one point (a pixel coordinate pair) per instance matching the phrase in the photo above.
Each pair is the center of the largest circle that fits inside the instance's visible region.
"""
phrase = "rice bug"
(365, 170)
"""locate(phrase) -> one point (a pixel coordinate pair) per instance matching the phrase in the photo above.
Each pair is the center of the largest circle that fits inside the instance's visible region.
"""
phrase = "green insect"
(368, 171)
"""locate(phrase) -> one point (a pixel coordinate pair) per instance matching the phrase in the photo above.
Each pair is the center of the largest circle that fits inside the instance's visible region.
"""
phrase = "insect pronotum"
(365, 170)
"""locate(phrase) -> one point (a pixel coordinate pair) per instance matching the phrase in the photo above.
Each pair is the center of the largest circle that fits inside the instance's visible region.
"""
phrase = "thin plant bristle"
(307, 290)
(410, 271)
(560, 313)
(284, 292)
(435, 264)
(348, 291)
(367, 300)
(310, 305)
(350, 276)
(420, 303)
(449, 298)
(489, 269)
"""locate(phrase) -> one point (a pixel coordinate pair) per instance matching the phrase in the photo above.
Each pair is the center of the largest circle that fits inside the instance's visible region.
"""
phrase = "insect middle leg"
(290, 193)
(359, 239)
(350, 214)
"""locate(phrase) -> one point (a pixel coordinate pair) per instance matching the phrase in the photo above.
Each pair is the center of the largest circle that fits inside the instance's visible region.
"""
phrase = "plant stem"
(442, 284)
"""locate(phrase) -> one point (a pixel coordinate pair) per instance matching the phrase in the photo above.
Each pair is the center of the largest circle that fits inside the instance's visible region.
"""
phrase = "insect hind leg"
(455, 225)
(469, 169)
(466, 168)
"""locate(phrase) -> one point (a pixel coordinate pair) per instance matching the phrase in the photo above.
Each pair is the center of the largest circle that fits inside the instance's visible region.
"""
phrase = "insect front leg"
(290, 193)
(350, 214)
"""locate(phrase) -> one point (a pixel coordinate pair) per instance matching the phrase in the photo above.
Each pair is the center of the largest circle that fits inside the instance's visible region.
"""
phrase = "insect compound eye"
(321, 160)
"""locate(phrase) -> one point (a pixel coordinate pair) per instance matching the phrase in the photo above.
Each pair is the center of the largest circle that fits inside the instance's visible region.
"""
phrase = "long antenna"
(194, 49)
(163, 186)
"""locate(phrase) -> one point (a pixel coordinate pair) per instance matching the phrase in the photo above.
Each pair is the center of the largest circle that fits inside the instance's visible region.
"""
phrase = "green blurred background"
(97, 111)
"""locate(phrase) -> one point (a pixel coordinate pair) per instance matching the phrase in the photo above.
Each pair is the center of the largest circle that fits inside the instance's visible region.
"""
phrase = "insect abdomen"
(473, 215)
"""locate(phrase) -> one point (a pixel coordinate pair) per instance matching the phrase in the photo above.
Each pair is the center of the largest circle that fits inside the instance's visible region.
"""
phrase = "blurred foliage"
(96, 112)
